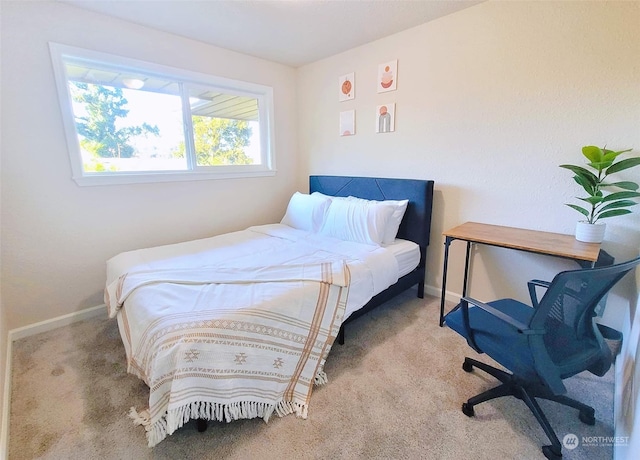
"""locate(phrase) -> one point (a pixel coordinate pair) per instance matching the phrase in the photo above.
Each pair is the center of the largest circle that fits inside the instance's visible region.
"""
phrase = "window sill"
(145, 178)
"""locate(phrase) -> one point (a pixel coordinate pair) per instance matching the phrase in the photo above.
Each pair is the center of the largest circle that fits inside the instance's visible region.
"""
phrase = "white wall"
(4, 333)
(489, 102)
(627, 407)
(56, 236)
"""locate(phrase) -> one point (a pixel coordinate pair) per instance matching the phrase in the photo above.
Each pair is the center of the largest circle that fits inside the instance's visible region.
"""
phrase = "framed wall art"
(386, 118)
(347, 87)
(348, 123)
(387, 76)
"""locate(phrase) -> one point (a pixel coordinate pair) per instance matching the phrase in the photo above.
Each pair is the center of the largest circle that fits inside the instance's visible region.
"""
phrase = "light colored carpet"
(395, 390)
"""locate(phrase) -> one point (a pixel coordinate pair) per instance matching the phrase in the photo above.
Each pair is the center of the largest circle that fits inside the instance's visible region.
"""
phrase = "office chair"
(541, 345)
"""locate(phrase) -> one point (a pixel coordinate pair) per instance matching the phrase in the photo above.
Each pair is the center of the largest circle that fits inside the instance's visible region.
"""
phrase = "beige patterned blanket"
(250, 342)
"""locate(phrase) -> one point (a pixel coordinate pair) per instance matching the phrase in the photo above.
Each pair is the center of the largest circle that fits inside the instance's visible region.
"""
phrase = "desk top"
(556, 244)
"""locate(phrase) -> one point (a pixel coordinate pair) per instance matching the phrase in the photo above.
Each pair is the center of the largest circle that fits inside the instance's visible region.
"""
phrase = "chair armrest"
(520, 326)
(532, 290)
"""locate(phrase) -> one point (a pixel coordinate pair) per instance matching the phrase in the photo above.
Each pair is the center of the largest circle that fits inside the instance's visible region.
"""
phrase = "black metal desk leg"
(447, 242)
(466, 270)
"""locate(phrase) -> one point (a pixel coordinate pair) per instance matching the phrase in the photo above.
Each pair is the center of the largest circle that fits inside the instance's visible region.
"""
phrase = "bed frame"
(415, 226)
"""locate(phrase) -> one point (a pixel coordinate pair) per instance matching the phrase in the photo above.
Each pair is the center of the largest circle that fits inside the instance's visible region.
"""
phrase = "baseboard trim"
(6, 401)
(618, 396)
(449, 296)
(55, 323)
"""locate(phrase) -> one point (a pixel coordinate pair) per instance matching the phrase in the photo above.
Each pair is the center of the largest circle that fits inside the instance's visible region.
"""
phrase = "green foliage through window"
(104, 106)
(219, 141)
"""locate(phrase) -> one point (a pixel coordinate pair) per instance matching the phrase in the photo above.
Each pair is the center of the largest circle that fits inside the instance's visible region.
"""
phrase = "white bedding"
(244, 302)
(373, 268)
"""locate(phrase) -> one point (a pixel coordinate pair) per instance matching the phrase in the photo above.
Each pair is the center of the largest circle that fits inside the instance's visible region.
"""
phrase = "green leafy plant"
(604, 203)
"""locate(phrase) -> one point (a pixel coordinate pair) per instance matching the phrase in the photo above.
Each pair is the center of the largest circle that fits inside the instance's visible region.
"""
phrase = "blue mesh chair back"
(572, 341)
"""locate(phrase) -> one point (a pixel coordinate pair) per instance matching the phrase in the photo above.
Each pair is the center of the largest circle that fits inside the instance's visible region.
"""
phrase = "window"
(133, 121)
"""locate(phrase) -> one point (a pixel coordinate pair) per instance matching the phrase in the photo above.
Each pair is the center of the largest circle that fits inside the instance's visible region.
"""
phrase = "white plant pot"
(590, 233)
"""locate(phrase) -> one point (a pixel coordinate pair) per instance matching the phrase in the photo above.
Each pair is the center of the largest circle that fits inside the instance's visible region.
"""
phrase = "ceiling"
(291, 32)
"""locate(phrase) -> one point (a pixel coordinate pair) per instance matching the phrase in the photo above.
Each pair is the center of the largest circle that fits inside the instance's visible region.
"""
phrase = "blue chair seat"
(496, 338)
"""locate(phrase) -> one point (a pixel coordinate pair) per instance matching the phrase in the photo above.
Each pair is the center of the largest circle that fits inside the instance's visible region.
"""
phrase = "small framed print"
(387, 76)
(347, 87)
(386, 118)
(348, 123)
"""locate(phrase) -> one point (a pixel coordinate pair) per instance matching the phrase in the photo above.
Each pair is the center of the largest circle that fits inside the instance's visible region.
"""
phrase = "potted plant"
(604, 199)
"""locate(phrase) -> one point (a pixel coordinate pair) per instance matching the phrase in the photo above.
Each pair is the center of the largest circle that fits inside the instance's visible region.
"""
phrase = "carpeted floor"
(395, 390)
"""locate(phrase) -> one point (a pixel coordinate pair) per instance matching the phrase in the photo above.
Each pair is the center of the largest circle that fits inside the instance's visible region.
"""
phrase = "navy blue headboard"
(416, 224)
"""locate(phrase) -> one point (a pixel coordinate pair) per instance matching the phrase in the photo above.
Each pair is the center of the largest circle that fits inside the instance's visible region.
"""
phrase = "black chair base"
(513, 386)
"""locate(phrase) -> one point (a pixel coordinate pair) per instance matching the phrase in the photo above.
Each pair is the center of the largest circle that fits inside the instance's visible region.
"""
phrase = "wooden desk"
(553, 244)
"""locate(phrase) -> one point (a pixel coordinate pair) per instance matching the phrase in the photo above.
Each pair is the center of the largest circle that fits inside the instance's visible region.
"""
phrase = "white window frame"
(264, 95)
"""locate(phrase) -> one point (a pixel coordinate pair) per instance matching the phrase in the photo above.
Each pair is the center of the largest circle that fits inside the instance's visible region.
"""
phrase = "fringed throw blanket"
(250, 342)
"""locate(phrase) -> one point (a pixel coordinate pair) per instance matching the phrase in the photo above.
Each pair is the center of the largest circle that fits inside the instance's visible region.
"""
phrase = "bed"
(415, 225)
(239, 325)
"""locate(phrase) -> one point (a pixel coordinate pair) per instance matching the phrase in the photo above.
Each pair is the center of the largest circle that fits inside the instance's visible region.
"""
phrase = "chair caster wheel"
(467, 366)
(201, 424)
(550, 453)
(467, 409)
(588, 418)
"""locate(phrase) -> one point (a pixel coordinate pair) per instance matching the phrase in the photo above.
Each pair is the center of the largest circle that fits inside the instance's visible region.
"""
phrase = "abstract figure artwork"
(387, 76)
(347, 87)
(348, 123)
(385, 118)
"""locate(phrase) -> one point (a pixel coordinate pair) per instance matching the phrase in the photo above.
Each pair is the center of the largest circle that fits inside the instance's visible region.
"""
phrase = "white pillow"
(306, 212)
(399, 208)
(358, 220)
(330, 197)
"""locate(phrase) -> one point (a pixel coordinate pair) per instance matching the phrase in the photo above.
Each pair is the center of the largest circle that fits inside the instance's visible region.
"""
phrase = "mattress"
(373, 268)
(406, 253)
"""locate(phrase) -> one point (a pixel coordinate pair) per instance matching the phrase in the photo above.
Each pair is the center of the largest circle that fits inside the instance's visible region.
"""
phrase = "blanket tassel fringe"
(321, 378)
(176, 418)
